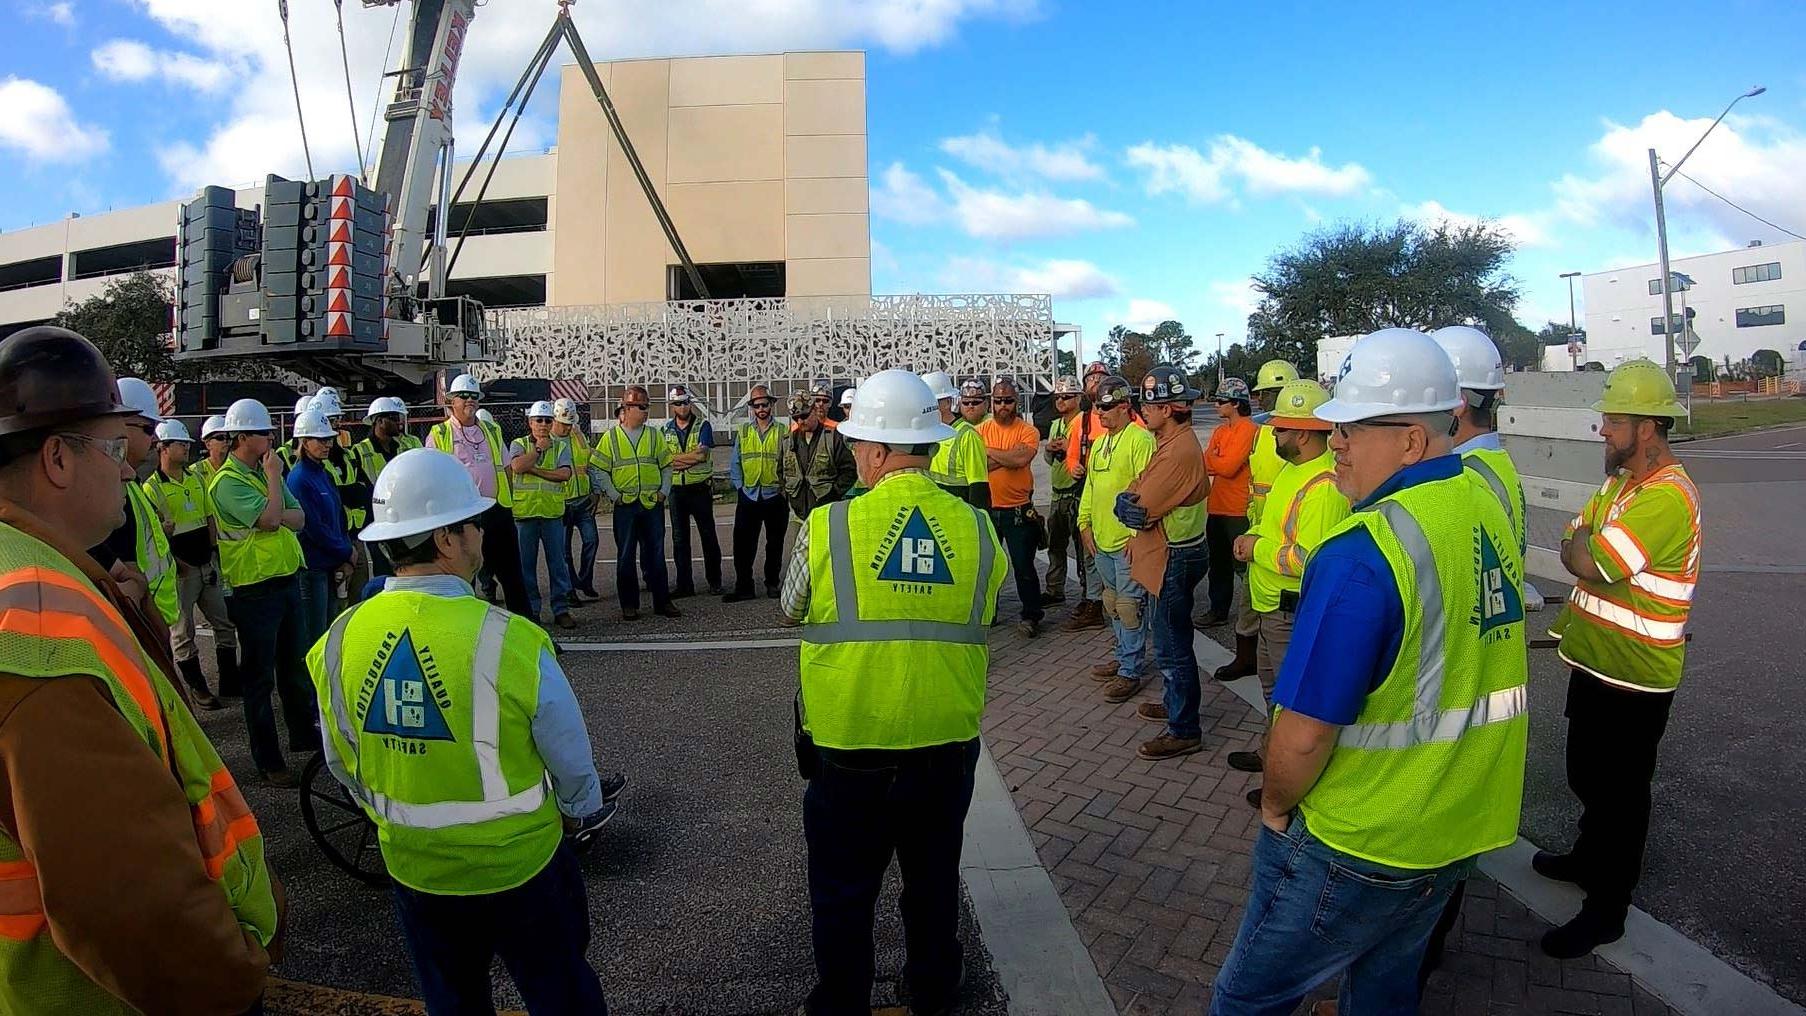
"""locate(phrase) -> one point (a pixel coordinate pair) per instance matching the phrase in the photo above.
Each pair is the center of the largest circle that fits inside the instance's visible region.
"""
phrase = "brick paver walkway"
(1152, 858)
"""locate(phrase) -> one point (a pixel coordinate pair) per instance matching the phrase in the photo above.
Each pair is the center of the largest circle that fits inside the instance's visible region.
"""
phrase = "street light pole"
(1570, 277)
(1219, 359)
(1656, 182)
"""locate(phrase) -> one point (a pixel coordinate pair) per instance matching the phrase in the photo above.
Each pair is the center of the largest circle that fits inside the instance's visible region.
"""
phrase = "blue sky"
(1140, 160)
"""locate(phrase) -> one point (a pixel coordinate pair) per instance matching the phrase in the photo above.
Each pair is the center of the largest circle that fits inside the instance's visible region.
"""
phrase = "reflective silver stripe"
(1432, 636)
(1493, 480)
(847, 627)
(496, 803)
(1444, 725)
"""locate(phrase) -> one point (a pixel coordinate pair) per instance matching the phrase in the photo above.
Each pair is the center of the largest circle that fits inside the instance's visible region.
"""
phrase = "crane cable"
(282, 9)
(363, 172)
(368, 153)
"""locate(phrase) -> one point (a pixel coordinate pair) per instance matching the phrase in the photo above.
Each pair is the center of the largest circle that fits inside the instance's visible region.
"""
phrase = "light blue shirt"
(1488, 441)
(558, 728)
(738, 479)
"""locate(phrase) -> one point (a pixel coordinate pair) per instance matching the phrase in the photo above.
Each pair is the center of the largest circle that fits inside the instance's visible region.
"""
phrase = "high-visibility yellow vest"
(289, 454)
(635, 467)
(959, 461)
(370, 459)
(440, 437)
(205, 470)
(1494, 465)
(759, 456)
(534, 496)
(250, 555)
(1058, 475)
(1432, 769)
(1264, 464)
(427, 706)
(1632, 628)
(1303, 506)
(343, 476)
(903, 586)
(57, 624)
(689, 442)
(151, 546)
(577, 487)
(182, 501)
(1116, 460)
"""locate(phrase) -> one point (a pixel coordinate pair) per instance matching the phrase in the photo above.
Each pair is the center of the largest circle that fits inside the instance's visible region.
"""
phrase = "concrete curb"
(1039, 959)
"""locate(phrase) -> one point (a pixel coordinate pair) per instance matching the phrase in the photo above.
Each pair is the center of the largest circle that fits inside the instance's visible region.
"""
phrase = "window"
(139, 255)
(492, 217)
(1770, 272)
(36, 272)
(739, 281)
(1756, 317)
(1655, 287)
(1655, 323)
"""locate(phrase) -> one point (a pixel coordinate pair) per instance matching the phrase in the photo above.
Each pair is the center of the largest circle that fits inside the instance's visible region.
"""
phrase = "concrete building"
(1740, 301)
(761, 161)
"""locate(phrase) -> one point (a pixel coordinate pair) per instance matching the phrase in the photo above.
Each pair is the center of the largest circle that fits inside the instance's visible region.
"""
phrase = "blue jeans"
(1131, 643)
(1314, 912)
(540, 930)
(580, 517)
(272, 660)
(547, 533)
(640, 543)
(316, 604)
(1174, 652)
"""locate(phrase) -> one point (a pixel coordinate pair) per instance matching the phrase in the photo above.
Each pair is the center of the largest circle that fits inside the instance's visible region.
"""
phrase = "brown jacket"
(107, 826)
(1173, 478)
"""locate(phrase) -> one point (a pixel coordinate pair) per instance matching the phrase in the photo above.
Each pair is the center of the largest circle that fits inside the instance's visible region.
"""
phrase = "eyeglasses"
(112, 447)
(760, 403)
(1004, 402)
(1343, 430)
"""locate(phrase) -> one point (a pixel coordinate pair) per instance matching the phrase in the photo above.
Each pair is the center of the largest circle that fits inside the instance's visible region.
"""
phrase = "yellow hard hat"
(1640, 388)
(1274, 374)
(1296, 406)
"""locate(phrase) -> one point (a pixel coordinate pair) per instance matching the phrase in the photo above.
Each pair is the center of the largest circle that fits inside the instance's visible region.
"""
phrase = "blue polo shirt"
(1351, 619)
(324, 543)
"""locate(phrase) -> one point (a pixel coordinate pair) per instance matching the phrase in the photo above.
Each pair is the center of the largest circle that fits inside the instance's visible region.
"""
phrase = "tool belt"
(1027, 517)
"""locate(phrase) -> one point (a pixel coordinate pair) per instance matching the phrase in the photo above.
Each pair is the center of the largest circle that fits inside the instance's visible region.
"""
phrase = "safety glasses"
(112, 447)
(1347, 430)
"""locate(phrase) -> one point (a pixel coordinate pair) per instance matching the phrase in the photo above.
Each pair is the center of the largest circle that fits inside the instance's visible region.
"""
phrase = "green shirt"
(239, 504)
(1059, 476)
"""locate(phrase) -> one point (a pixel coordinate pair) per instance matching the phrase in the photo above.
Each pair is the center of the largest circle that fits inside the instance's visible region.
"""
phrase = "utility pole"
(1573, 328)
(1219, 359)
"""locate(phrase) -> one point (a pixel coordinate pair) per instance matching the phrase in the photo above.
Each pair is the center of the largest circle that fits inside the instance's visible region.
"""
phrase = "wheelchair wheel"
(344, 833)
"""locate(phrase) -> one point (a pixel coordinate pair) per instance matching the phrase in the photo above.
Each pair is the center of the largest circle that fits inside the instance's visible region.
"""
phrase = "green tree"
(130, 322)
(1767, 363)
(1065, 364)
(1172, 345)
(1519, 347)
(1128, 353)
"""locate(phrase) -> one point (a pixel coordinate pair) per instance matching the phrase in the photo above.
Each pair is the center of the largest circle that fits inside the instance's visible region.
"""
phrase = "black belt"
(1072, 491)
(686, 486)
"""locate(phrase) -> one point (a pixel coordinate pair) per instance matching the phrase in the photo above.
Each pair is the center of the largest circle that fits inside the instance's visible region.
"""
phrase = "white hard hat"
(247, 415)
(895, 407)
(137, 395)
(387, 404)
(940, 384)
(565, 411)
(419, 491)
(486, 416)
(327, 404)
(214, 425)
(541, 410)
(846, 397)
(173, 430)
(313, 424)
(1476, 357)
(464, 384)
(303, 404)
(678, 395)
(1392, 372)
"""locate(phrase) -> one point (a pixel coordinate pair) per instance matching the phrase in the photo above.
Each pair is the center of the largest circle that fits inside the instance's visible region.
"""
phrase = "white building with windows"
(1739, 302)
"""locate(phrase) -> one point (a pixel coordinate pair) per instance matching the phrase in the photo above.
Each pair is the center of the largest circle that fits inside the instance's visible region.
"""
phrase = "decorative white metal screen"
(724, 346)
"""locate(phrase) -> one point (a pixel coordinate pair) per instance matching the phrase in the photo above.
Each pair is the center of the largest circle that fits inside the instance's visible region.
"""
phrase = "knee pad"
(1108, 598)
(1128, 610)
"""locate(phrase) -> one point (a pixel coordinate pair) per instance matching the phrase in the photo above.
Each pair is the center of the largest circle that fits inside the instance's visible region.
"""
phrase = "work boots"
(230, 684)
(197, 683)
(1088, 614)
(1243, 664)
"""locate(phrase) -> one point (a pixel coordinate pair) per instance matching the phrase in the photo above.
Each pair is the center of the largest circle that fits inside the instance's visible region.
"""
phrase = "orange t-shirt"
(1226, 460)
(1010, 488)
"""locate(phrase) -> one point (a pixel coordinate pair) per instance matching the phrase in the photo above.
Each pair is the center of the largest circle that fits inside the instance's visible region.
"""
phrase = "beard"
(1615, 458)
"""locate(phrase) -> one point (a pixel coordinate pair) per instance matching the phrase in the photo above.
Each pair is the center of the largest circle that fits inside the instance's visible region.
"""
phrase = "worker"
(260, 560)
(580, 539)
(692, 441)
(479, 445)
(1165, 509)
(846, 406)
(959, 463)
(815, 466)
(389, 437)
(179, 495)
(540, 466)
(1118, 455)
(1634, 552)
(214, 444)
(1396, 756)
(1265, 462)
(888, 719)
(974, 402)
(823, 403)
(143, 539)
(353, 490)
(290, 450)
(1063, 518)
(327, 552)
(1302, 507)
(635, 464)
(1231, 487)
(759, 503)
(1090, 425)
(446, 718)
(133, 872)
(1010, 445)
(218, 442)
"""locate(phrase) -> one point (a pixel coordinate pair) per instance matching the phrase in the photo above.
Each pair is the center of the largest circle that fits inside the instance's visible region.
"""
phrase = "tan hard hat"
(52, 377)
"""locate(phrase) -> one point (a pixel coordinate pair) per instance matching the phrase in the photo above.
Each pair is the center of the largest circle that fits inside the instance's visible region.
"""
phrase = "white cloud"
(1063, 279)
(36, 120)
(997, 215)
(130, 60)
(903, 196)
(61, 12)
(1236, 295)
(986, 150)
(1527, 230)
(1143, 315)
(1233, 163)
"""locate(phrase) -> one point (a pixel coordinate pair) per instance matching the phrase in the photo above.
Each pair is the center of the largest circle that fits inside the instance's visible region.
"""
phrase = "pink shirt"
(471, 446)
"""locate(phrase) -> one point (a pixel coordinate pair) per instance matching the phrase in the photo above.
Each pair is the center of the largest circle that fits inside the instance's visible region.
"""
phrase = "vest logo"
(1501, 601)
(913, 552)
(403, 698)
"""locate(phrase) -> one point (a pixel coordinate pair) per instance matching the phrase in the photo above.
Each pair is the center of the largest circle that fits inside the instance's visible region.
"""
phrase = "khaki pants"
(1275, 628)
(1247, 619)
(203, 587)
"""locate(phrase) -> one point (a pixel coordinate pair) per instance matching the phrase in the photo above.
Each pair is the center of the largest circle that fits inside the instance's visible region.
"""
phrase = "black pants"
(771, 515)
(1613, 737)
(273, 661)
(501, 556)
(694, 501)
(1220, 532)
(862, 807)
(640, 543)
(1018, 535)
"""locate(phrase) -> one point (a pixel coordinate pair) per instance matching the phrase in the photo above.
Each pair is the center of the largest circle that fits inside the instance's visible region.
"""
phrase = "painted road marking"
(668, 647)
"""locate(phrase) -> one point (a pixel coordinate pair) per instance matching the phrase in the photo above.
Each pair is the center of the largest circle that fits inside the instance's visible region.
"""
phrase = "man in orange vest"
(132, 874)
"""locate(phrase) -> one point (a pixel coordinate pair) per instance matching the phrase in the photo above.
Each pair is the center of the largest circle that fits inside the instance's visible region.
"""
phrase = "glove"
(1130, 513)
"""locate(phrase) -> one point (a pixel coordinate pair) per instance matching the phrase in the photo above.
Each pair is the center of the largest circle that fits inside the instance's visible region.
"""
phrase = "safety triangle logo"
(1501, 596)
(916, 555)
(405, 695)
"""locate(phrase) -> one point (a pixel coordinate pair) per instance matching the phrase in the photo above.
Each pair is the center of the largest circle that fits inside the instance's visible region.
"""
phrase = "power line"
(301, 118)
(1733, 204)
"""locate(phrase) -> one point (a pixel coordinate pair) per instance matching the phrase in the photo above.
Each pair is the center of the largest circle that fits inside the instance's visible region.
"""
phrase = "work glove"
(1130, 513)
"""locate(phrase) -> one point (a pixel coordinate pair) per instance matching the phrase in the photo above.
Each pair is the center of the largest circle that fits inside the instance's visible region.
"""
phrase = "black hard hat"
(1113, 391)
(1167, 384)
(52, 377)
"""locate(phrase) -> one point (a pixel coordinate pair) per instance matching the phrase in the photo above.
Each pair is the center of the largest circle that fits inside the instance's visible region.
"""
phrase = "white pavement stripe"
(668, 647)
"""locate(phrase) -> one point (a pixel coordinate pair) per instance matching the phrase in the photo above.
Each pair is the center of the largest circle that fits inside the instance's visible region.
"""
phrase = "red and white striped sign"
(166, 398)
(575, 389)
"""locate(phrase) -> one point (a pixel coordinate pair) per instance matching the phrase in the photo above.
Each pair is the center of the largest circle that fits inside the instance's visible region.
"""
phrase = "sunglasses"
(634, 405)
(1065, 397)
(217, 437)
(1004, 401)
(971, 402)
(466, 397)
(760, 403)
(112, 447)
